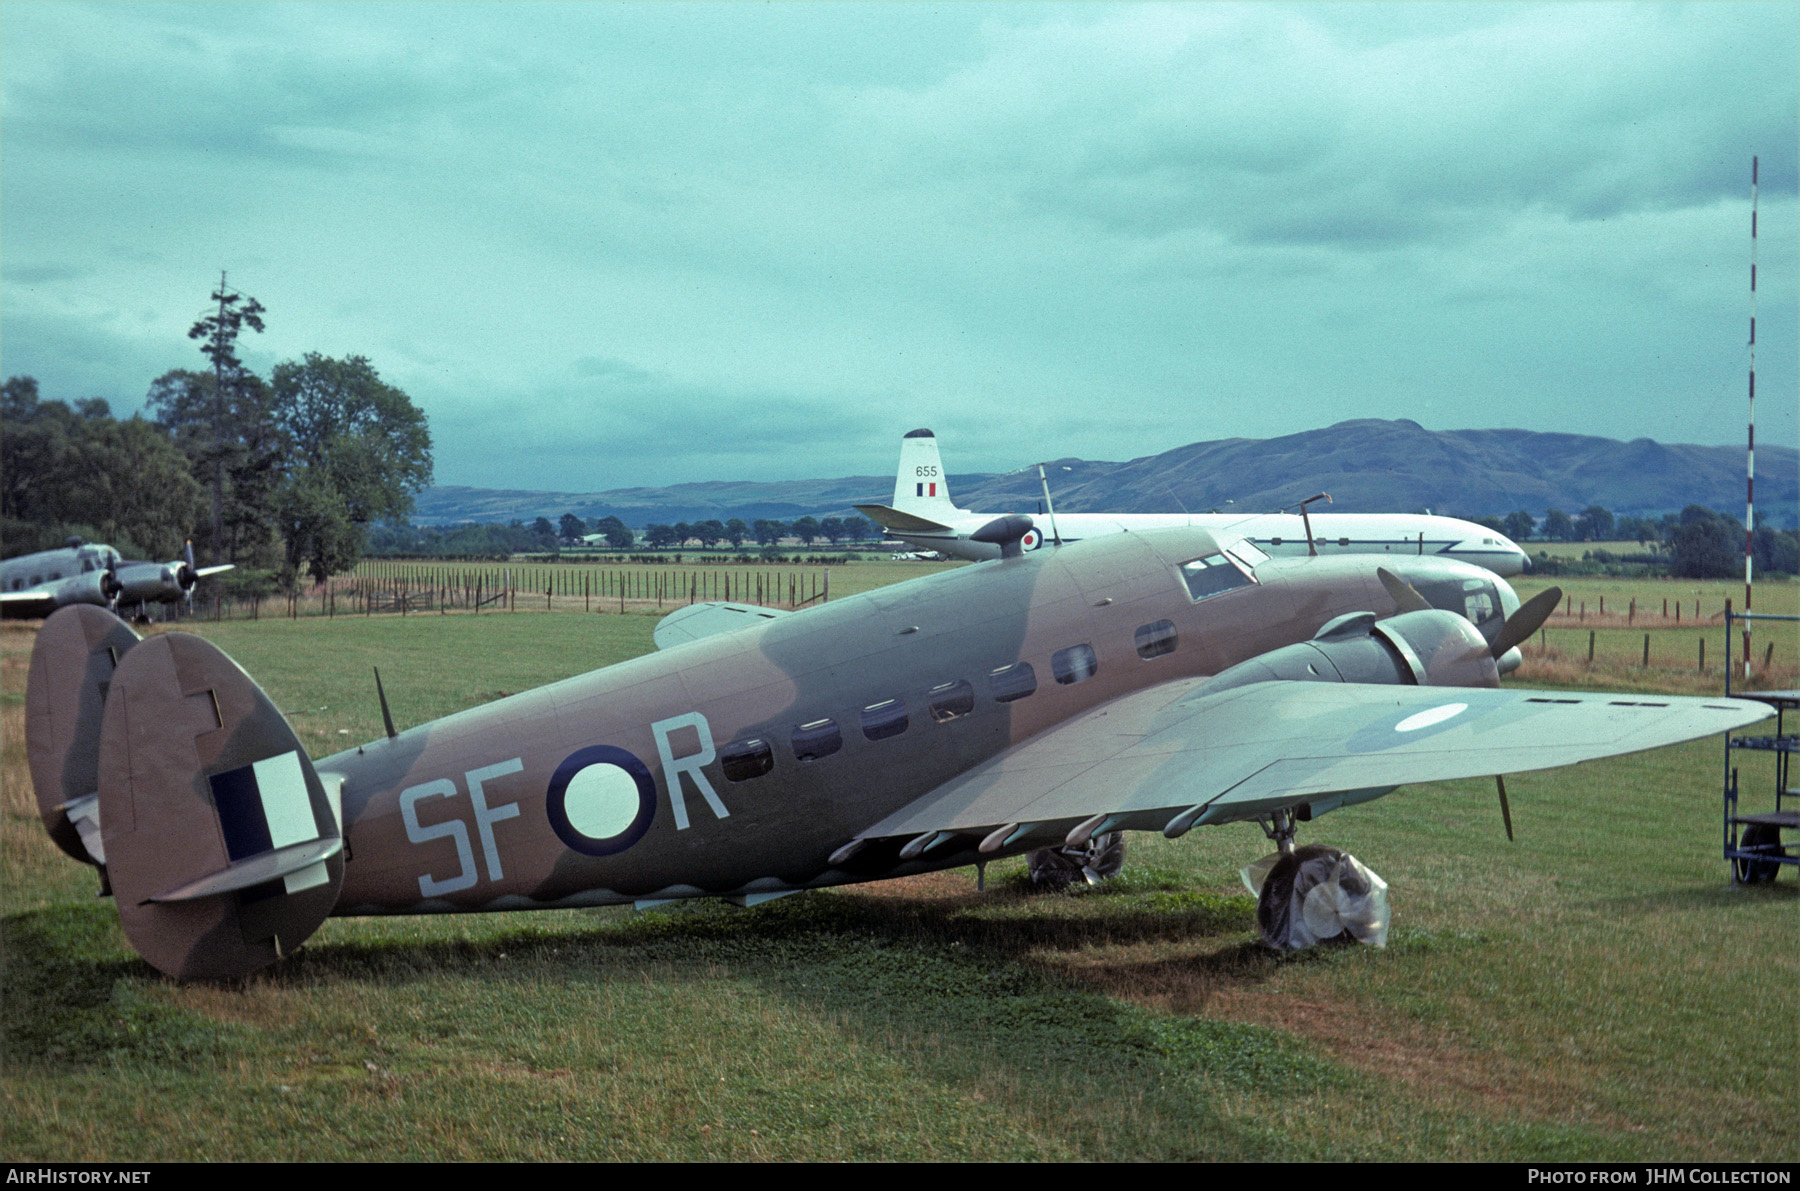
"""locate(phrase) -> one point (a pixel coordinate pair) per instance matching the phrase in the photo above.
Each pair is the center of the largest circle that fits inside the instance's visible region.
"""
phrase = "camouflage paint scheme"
(612, 787)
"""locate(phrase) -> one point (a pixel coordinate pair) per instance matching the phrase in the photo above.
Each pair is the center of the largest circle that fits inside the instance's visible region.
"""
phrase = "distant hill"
(1366, 465)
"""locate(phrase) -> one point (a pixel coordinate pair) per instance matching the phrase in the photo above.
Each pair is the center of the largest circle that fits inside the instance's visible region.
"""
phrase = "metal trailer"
(1753, 841)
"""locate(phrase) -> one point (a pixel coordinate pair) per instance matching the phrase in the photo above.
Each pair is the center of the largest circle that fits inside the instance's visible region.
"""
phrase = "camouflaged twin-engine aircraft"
(1136, 682)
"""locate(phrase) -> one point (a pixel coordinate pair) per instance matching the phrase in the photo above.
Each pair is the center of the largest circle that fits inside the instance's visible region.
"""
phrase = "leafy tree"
(618, 535)
(833, 530)
(1558, 526)
(1776, 551)
(1636, 529)
(1707, 545)
(237, 441)
(683, 531)
(661, 537)
(572, 527)
(769, 533)
(1519, 525)
(1595, 524)
(360, 451)
(709, 532)
(857, 528)
(736, 531)
(78, 469)
(806, 529)
(219, 331)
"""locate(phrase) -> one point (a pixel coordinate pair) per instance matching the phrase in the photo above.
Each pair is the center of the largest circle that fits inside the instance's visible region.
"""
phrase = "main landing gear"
(1314, 894)
(1057, 868)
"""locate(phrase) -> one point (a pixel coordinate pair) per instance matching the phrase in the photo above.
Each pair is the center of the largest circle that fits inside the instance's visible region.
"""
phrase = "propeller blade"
(1505, 810)
(1404, 593)
(1526, 621)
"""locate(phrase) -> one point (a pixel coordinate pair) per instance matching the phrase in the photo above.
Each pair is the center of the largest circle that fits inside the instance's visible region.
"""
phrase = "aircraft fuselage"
(1283, 535)
(736, 765)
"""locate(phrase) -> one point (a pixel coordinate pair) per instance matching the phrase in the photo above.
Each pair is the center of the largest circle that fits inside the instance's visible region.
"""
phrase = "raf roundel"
(601, 800)
(1032, 540)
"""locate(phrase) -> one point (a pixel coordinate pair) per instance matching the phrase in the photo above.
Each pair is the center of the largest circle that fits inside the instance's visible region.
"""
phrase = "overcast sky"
(609, 245)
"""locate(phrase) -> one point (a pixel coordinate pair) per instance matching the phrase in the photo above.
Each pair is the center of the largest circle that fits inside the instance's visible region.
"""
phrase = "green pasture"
(1597, 990)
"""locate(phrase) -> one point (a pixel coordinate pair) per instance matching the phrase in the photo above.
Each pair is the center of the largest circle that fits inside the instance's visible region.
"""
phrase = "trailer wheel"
(1748, 871)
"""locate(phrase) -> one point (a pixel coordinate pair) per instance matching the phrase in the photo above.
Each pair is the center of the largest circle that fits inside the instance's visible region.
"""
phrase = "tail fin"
(72, 667)
(920, 486)
(220, 843)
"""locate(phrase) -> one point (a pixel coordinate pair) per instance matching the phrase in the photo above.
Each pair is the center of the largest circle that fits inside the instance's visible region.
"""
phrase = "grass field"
(1597, 990)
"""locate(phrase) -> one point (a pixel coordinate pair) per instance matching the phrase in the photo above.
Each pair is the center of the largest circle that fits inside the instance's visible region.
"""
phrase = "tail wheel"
(1057, 868)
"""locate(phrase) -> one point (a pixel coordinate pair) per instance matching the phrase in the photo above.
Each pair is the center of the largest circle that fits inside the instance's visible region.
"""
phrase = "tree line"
(1696, 543)
(543, 536)
(293, 469)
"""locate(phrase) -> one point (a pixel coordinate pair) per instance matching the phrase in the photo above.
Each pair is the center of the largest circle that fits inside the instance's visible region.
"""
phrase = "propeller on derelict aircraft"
(186, 576)
(1516, 630)
(110, 587)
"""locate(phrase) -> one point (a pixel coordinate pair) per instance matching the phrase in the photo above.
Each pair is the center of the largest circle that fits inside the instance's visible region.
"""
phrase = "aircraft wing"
(20, 601)
(900, 522)
(709, 620)
(1146, 759)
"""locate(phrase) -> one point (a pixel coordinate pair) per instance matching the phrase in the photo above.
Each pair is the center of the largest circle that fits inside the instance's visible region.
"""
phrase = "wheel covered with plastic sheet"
(1057, 868)
(1317, 894)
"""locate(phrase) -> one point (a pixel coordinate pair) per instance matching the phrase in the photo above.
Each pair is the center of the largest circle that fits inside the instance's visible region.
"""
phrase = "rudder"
(920, 486)
(223, 848)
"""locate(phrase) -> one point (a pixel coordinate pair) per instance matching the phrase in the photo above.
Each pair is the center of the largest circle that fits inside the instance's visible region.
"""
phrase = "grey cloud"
(39, 274)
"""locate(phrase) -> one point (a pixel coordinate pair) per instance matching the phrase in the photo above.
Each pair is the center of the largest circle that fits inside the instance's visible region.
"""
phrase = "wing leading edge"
(1166, 758)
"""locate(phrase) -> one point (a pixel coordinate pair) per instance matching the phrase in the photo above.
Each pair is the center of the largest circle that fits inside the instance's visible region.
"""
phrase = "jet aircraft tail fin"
(920, 486)
(219, 841)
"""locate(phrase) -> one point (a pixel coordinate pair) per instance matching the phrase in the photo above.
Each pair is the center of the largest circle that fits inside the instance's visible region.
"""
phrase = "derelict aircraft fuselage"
(968, 715)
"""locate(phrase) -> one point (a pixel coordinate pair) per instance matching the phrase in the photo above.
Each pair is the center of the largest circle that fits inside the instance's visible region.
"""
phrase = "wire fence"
(384, 588)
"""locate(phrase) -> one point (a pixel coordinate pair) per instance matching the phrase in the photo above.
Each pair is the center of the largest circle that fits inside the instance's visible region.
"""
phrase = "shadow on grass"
(1720, 895)
(74, 997)
(1000, 994)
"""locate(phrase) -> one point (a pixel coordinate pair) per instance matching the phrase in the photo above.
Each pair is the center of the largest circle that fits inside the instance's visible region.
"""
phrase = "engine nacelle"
(150, 581)
(1426, 648)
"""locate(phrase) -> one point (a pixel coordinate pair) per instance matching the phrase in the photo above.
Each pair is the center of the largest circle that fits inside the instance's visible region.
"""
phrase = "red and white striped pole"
(1750, 456)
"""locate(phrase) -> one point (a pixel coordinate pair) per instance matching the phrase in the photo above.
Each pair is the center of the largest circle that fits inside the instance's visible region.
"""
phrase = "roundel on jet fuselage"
(601, 800)
(1032, 540)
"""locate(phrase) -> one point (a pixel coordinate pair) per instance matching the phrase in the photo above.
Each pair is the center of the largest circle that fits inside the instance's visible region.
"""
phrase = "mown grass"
(1597, 990)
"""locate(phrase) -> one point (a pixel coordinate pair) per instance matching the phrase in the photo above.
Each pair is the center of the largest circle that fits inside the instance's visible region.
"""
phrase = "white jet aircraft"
(924, 516)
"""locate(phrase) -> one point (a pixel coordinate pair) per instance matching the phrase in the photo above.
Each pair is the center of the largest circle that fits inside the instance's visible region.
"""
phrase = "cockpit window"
(1479, 600)
(1212, 575)
(1245, 551)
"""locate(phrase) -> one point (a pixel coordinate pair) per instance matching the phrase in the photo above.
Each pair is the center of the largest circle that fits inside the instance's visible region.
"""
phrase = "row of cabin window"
(87, 564)
(746, 759)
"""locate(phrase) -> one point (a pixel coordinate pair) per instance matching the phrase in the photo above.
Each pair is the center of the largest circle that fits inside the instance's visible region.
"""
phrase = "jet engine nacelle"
(1425, 648)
